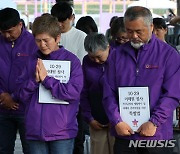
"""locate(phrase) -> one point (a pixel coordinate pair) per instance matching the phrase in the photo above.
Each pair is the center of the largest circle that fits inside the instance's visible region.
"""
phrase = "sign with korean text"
(134, 106)
(60, 70)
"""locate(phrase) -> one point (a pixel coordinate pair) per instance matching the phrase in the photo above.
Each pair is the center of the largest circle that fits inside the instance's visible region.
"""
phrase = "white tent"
(155, 15)
(7, 3)
(155, 4)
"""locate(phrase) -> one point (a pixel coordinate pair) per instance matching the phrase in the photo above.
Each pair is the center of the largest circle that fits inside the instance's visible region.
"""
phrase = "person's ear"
(58, 39)
(21, 24)
(72, 17)
(152, 27)
(166, 30)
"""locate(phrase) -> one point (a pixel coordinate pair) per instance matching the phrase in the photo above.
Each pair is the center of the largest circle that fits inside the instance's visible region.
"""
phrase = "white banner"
(134, 106)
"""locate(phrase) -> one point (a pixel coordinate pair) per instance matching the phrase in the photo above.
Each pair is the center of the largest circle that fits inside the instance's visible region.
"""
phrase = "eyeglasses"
(122, 39)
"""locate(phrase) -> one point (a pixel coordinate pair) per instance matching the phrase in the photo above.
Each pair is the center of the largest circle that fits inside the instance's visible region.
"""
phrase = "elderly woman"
(93, 112)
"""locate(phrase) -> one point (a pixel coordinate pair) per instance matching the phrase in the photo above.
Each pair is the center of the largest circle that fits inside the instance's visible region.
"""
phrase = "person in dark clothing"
(118, 32)
(87, 25)
(160, 30)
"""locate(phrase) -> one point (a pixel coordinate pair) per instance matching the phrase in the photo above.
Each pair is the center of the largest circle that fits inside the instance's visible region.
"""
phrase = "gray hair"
(94, 42)
(135, 12)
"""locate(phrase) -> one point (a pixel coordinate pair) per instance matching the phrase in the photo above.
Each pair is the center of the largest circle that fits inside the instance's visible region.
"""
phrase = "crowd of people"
(83, 70)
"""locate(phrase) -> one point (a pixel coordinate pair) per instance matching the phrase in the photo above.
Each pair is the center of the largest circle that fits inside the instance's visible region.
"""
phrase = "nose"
(97, 60)
(6, 35)
(60, 24)
(134, 35)
(42, 43)
(155, 32)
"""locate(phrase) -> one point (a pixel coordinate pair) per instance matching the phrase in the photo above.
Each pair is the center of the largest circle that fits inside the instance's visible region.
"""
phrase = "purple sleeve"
(110, 97)
(170, 97)
(84, 101)
(110, 103)
(85, 105)
(1, 91)
(26, 84)
(25, 90)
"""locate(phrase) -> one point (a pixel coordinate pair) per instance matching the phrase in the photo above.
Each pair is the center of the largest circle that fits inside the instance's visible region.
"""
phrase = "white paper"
(134, 106)
(59, 70)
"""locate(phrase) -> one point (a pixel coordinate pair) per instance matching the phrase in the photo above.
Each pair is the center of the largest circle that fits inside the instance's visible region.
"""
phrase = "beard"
(137, 45)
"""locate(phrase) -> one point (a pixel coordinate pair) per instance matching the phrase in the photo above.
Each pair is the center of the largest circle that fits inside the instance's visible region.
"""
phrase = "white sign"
(60, 70)
(134, 106)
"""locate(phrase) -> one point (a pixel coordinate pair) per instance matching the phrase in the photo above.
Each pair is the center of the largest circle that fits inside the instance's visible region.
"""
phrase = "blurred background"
(100, 10)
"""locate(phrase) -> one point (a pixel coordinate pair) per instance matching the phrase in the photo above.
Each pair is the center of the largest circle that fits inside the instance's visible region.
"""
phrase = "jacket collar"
(52, 55)
(128, 48)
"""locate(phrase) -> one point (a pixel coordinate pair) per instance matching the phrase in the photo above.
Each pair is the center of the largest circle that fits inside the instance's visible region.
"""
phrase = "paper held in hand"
(134, 106)
(60, 70)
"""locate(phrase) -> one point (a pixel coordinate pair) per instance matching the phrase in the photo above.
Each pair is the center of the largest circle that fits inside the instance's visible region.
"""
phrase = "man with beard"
(144, 61)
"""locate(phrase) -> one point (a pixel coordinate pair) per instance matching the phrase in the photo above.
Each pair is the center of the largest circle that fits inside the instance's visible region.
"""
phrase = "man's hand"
(147, 129)
(123, 129)
(7, 102)
(96, 125)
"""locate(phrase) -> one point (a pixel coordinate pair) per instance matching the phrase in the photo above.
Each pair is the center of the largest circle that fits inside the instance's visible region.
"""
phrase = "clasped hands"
(96, 125)
(41, 72)
(146, 129)
(7, 102)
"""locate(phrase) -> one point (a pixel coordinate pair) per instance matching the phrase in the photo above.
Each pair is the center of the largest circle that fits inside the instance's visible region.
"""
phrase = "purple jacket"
(92, 93)
(157, 66)
(12, 62)
(48, 122)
